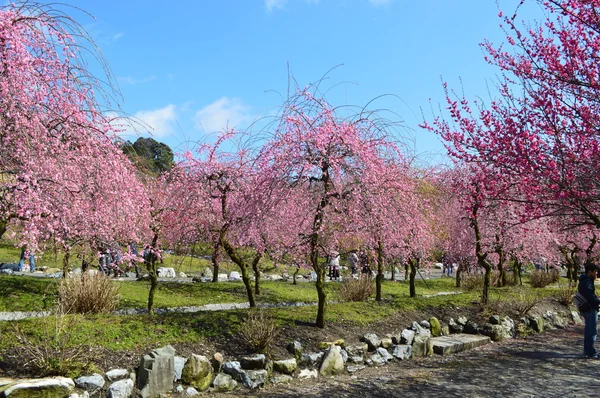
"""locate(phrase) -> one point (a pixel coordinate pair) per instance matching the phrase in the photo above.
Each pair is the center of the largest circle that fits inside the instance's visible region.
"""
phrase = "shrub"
(90, 294)
(356, 289)
(565, 293)
(259, 331)
(470, 282)
(51, 350)
(541, 278)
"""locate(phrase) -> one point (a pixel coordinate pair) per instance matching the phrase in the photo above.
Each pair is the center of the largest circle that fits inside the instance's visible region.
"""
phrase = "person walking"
(353, 263)
(589, 310)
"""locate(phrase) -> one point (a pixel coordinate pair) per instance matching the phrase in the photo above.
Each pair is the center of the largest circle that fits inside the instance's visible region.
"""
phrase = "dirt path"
(548, 365)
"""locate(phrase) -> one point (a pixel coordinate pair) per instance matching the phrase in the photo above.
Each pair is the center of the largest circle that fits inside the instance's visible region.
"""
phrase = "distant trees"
(149, 155)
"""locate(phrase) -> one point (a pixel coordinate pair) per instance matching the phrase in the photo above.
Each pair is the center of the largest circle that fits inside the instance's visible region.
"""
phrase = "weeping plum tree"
(324, 158)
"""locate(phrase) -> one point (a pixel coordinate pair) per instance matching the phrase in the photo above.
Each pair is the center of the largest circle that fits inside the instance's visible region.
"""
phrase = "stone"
(156, 371)
(308, 374)
(234, 369)
(191, 392)
(120, 389)
(207, 273)
(536, 323)
(280, 379)
(179, 389)
(286, 366)
(386, 342)
(182, 275)
(116, 374)
(47, 387)
(164, 272)
(508, 326)
(494, 332)
(323, 345)
(445, 330)
(92, 384)
(258, 377)
(222, 277)
(402, 352)
(495, 319)
(216, 362)
(311, 360)
(407, 336)
(340, 342)
(471, 327)
(253, 362)
(332, 362)
(224, 382)
(376, 360)
(372, 341)
(455, 327)
(179, 363)
(385, 354)
(425, 324)
(197, 372)
(435, 327)
(445, 345)
(576, 318)
(461, 320)
(421, 346)
(396, 337)
(420, 330)
(344, 354)
(356, 350)
(295, 348)
(355, 368)
(235, 276)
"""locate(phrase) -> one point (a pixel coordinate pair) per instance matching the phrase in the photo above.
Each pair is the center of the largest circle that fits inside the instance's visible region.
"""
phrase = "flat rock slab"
(445, 345)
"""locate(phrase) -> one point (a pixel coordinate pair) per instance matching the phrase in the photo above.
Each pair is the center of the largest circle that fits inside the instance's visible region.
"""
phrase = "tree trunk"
(150, 261)
(65, 265)
(459, 271)
(517, 270)
(486, 285)
(256, 270)
(322, 295)
(379, 278)
(215, 260)
(406, 268)
(413, 272)
(3, 228)
(237, 259)
(295, 274)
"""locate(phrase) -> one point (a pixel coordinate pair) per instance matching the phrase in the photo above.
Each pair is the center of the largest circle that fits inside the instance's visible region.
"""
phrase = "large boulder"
(312, 360)
(332, 363)
(308, 374)
(407, 336)
(234, 369)
(179, 363)
(435, 327)
(92, 384)
(164, 272)
(54, 387)
(372, 341)
(402, 351)
(471, 327)
(258, 377)
(455, 327)
(120, 389)
(280, 379)
(116, 374)
(155, 373)
(253, 362)
(422, 346)
(494, 332)
(420, 330)
(197, 372)
(235, 276)
(285, 366)
(295, 348)
(224, 382)
(536, 323)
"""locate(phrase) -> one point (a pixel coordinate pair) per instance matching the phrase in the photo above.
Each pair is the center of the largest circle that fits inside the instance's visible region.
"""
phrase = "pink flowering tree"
(325, 159)
(61, 176)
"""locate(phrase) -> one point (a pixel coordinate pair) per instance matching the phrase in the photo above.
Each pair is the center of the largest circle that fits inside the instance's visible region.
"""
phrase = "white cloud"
(158, 122)
(132, 80)
(273, 4)
(117, 36)
(379, 3)
(222, 113)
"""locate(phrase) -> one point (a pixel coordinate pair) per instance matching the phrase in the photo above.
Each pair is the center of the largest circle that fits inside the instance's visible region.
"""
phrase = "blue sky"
(189, 67)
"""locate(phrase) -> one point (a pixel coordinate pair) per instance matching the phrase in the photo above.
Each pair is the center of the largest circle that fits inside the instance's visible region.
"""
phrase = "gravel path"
(547, 365)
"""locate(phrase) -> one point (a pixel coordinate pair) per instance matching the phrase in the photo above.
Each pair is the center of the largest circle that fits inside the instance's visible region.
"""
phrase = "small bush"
(541, 278)
(565, 293)
(90, 294)
(259, 331)
(356, 289)
(471, 282)
(51, 351)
